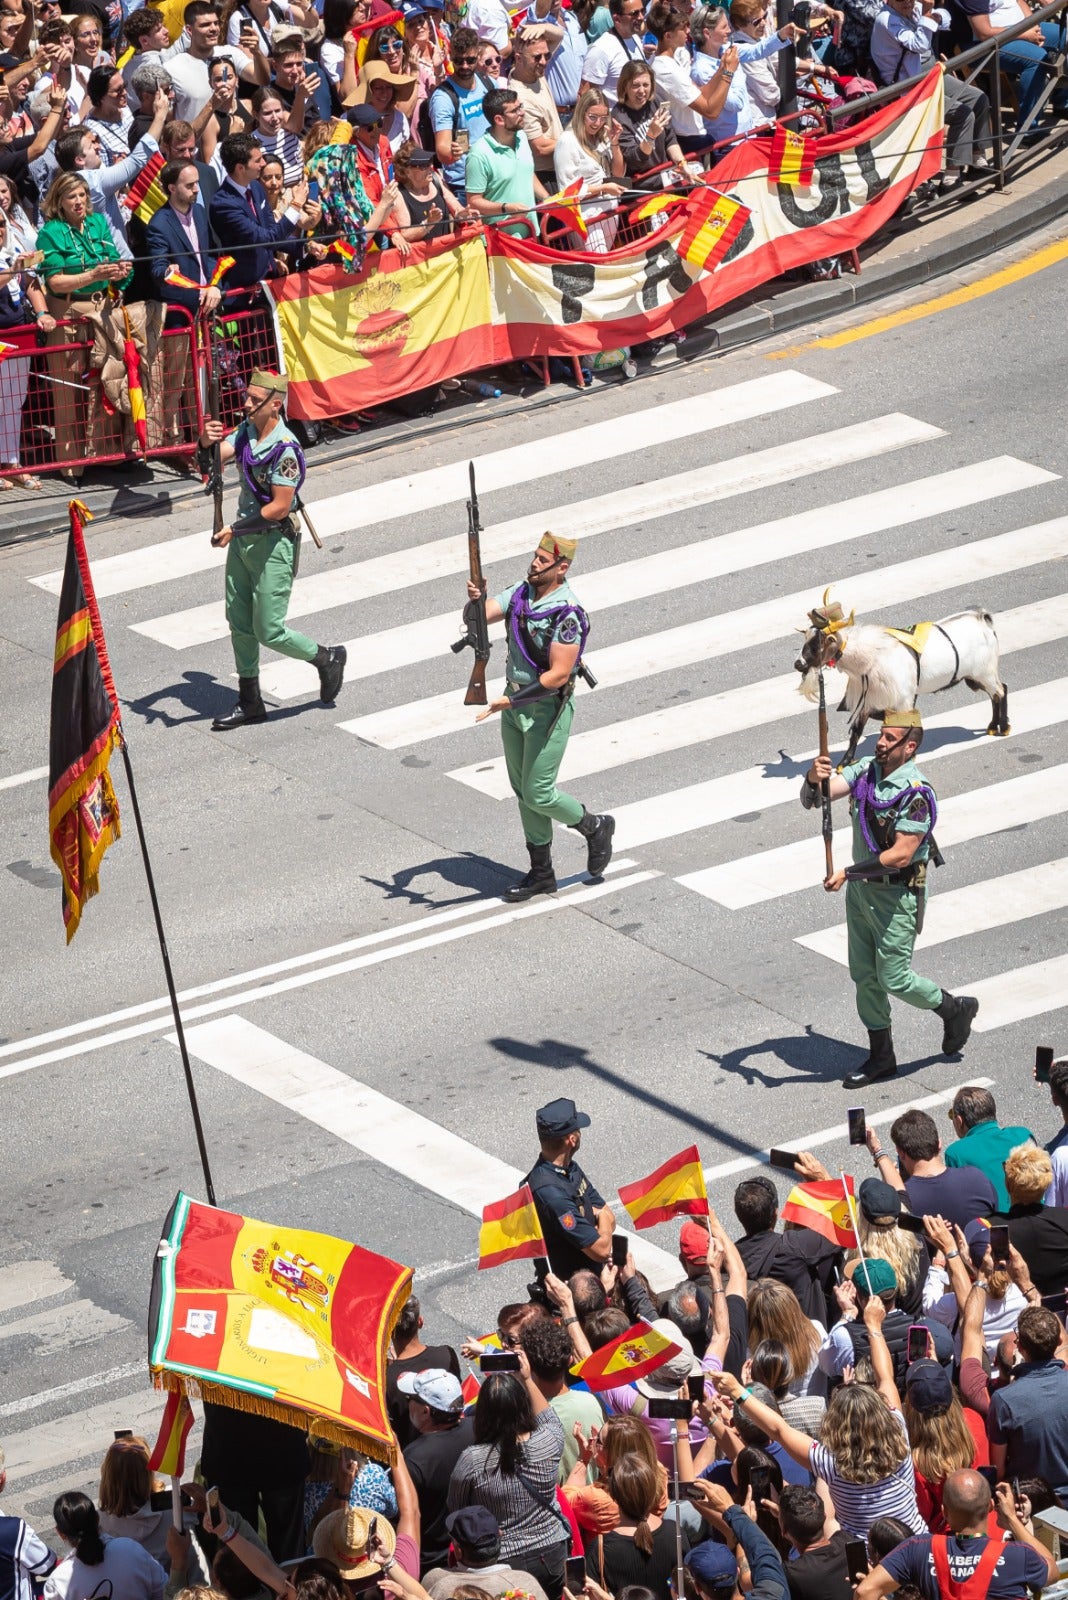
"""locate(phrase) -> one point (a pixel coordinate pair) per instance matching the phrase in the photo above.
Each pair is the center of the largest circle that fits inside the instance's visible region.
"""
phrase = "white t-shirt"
(332, 60)
(127, 1566)
(264, 30)
(189, 74)
(673, 81)
(605, 61)
(490, 20)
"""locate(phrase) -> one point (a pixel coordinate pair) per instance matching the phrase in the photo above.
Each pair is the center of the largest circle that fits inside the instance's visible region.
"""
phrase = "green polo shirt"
(504, 174)
(987, 1147)
(912, 818)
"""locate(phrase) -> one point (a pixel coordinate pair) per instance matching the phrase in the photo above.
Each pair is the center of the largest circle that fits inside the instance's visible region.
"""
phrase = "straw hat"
(342, 1538)
(377, 71)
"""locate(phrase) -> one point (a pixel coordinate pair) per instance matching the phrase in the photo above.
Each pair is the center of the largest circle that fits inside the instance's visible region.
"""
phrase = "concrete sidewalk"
(941, 239)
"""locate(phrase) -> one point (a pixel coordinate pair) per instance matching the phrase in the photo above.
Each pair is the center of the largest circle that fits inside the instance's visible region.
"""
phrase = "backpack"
(424, 130)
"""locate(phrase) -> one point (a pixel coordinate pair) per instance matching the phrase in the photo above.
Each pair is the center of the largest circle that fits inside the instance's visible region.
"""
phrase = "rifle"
(213, 484)
(825, 785)
(477, 635)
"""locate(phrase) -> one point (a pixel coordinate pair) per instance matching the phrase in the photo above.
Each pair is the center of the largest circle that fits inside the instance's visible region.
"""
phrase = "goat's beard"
(809, 687)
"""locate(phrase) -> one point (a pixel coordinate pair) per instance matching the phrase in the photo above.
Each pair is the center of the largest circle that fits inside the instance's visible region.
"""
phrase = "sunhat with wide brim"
(342, 1538)
(373, 71)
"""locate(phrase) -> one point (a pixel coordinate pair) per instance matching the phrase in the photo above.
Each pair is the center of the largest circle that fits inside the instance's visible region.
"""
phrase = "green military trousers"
(881, 925)
(259, 579)
(533, 750)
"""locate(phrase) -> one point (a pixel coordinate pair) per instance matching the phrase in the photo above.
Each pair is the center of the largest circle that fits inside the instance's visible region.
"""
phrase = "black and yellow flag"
(83, 816)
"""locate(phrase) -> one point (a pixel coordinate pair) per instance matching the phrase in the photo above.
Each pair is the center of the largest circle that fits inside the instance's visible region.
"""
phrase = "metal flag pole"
(851, 1207)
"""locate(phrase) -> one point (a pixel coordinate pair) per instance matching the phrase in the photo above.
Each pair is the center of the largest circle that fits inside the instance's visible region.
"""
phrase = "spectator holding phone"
(1004, 1300)
(475, 1560)
(798, 1257)
(1037, 1228)
(716, 1570)
(960, 1194)
(941, 1439)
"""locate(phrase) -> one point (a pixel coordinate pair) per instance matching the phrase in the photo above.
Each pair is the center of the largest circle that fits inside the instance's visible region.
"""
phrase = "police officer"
(547, 631)
(894, 810)
(264, 548)
(575, 1222)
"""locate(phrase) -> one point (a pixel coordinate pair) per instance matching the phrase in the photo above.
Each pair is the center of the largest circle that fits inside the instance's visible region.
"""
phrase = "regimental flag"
(633, 1355)
(145, 196)
(280, 1322)
(565, 207)
(793, 159)
(83, 815)
(222, 267)
(713, 222)
(676, 1189)
(510, 1230)
(823, 1207)
(168, 1455)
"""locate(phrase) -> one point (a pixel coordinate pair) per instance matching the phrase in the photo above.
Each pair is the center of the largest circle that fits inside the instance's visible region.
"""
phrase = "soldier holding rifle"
(263, 546)
(547, 630)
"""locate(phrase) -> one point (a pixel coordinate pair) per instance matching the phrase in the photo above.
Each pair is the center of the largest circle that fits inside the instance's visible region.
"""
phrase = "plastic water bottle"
(481, 391)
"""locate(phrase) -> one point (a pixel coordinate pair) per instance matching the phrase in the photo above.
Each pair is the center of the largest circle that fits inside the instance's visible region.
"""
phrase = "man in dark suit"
(178, 243)
(241, 216)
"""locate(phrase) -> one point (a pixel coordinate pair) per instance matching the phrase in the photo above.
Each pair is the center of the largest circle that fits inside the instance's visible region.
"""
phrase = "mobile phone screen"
(999, 1242)
(858, 1130)
(783, 1159)
(1043, 1062)
(499, 1361)
(620, 1247)
(917, 1345)
(696, 1386)
(575, 1574)
(856, 1559)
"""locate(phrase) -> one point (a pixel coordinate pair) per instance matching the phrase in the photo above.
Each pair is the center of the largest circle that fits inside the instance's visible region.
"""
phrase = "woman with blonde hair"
(622, 1436)
(881, 1238)
(1037, 1229)
(939, 1435)
(775, 1313)
(589, 150)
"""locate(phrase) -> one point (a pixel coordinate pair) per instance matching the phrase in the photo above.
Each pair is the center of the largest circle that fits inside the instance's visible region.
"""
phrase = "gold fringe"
(260, 1406)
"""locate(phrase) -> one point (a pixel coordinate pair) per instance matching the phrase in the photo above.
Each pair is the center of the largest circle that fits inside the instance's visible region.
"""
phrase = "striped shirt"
(526, 1521)
(23, 1556)
(858, 1505)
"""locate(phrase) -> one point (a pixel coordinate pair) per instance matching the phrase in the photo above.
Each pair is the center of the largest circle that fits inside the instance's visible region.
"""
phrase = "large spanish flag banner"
(510, 1230)
(349, 342)
(278, 1321)
(676, 1189)
(824, 1208)
(633, 1355)
(83, 814)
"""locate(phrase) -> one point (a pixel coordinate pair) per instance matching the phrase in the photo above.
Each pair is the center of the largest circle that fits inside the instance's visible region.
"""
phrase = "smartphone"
(620, 1249)
(313, 189)
(677, 1410)
(1043, 1062)
(856, 1552)
(462, 139)
(696, 1386)
(575, 1574)
(690, 1491)
(499, 1361)
(858, 1127)
(783, 1159)
(214, 1509)
(760, 1484)
(910, 1224)
(124, 1433)
(999, 1243)
(917, 1345)
(991, 1476)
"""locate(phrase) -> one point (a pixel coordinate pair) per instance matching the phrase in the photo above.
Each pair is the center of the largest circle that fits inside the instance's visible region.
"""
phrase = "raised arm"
(793, 1441)
(874, 1317)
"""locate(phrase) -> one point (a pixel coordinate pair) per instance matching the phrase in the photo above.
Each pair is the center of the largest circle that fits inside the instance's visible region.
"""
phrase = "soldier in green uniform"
(264, 548)
(894, 810)
(547, 631)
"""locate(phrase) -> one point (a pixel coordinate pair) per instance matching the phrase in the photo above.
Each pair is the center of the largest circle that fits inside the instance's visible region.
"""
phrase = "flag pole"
(176, 1503)
(856, 1230)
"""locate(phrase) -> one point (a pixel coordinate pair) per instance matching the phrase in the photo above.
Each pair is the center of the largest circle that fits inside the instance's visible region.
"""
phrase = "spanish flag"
(793, 159)
(168, 1455)
(346, 251)
(676, 1189)
(713, 222)
(145, 196)
(180, 280)
(83, 815)
(565, 207)
(653, 207)
(222, 267)
(824, 1208)
(510, 1230)
(633, 1355)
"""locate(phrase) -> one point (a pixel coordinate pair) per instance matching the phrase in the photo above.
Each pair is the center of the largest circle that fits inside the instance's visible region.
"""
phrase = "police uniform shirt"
(565, 1198)
(913, 818)
(565, 631)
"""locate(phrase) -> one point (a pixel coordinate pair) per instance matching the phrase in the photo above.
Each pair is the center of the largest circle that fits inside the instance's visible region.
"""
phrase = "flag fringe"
(261, 1406)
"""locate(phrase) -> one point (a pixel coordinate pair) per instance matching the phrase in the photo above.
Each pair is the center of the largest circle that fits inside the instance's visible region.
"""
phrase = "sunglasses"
(394, 47)
(464, 61)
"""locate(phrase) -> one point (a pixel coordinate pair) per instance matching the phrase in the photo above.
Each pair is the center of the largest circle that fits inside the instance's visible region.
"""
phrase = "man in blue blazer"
(178, 239)
(241, 216)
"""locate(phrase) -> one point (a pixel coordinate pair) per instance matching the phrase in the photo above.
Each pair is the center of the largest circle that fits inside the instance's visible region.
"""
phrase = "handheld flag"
(633, 1355)
(653, 207)
(7, 349)
(222, 267)
(565, 207)
(83, 814)
(713, 222)
(180, 280)
(826, 1208)
(168, 1454)
(676, 1189)
(793, 159)
(510, 1230)
(145, 196)
(346, 251)
(469, 1390)
(132, 358)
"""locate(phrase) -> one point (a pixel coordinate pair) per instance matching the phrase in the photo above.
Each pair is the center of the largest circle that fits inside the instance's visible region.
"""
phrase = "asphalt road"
(329, 891)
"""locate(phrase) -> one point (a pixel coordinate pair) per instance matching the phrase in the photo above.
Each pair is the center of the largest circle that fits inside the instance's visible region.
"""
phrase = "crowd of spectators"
(844, 1422)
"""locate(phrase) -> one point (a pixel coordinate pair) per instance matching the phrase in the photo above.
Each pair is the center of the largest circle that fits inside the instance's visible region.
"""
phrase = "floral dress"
(342, 196)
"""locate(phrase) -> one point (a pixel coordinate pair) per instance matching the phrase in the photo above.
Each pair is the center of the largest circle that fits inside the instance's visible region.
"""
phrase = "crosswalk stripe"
(1017, 995)
(26, 1282)
(976, 908)
(770, 874)
(751, 705)
(384, 1129)
(916, 501)
(17, 779)
(621, 508)
(375, 503)
(80, 1435)
(64, 1327)
(740, 629)
(701, 805)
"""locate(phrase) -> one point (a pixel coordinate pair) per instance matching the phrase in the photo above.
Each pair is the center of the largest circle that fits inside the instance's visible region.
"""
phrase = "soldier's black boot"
(881, 1062)
(249, 707)
(541, 879)
(958, 1014)
(597, 832)
(330, 662)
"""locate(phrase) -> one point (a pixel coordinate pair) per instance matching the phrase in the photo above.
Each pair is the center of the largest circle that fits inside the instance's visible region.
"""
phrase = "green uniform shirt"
(564, 630)
(986, 1146)
(286, 470)
(913, 818)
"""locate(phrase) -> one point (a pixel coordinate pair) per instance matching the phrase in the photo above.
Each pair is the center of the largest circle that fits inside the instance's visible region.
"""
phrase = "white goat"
(885, 674)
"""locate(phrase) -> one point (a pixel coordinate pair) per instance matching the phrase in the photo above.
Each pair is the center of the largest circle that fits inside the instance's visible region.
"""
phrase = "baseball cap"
(413, 8)
(977, 1234)
(875, 1275)
(420, 158)
(561, 1117)
(693, 1243)
(877, 1199)
(435, 1387)
(671, 1375)
(713, 1565)
(363, 116)
(475, 1528)
(929, 1388)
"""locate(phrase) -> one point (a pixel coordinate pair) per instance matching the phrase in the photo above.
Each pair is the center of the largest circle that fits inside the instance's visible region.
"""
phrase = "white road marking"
(25, 1283)
(622, 508)
(20, 1449)
(17, 779)
(998, 808)
(64, 1327)
(1017, 995)
(375, 503)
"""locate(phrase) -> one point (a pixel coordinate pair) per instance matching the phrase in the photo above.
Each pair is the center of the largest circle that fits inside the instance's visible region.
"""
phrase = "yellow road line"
(1047, 257)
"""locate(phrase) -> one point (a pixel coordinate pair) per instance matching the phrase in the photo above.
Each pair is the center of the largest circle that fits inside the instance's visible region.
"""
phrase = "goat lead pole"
(825, 785)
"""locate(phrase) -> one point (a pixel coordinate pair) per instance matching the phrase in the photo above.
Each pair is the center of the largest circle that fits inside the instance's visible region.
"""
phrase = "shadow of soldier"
(480, 876)
(199, 692)
(810, 1057)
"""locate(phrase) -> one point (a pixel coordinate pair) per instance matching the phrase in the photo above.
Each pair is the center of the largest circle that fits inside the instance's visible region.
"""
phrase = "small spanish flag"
(469, 1389)
(676, 1189)
(7, 349)
(824, 1208)
(179, 279)
(653, 207)
(168, 1455)
(793, 159)
(713, 222)
(633, 1355)
(564, 206)
(346, 251)
(222, 267)
(145, 196)
(510, 1230)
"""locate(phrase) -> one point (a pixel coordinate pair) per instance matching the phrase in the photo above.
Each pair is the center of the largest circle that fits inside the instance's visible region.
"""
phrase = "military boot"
(330, 662)
(597, 832)
(881, 1062)
(249, 707)
(958, 1014)
(541, 879)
